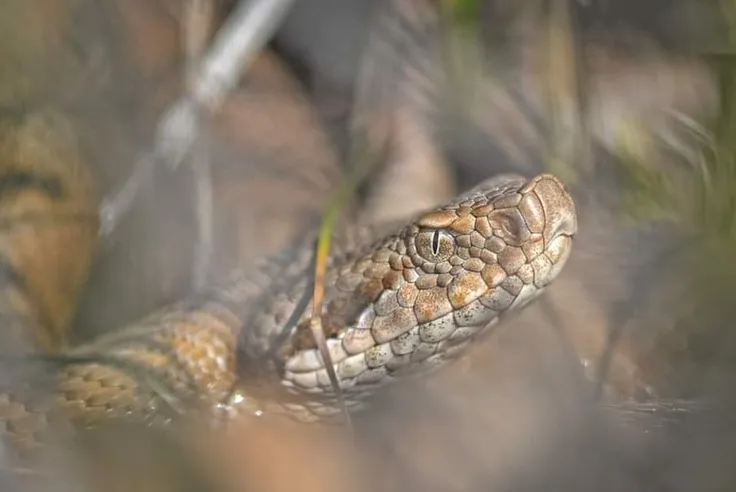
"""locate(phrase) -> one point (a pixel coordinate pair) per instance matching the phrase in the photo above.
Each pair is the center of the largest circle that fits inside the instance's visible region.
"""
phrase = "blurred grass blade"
(337, 204)
(370, 128)
(567, 138)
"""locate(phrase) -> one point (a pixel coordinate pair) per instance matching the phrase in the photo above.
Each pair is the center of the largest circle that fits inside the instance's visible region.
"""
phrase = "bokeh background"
(620, 379)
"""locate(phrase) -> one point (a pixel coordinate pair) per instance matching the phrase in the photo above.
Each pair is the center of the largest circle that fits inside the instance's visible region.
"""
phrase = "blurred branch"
(238, 42)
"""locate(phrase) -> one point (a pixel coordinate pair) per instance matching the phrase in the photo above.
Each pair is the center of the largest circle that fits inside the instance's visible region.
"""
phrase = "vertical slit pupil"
(436, 243)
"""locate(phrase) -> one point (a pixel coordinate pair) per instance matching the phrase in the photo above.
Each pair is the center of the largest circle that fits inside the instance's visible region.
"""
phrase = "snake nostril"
(509, 224)
(564, 223)
(568, 225)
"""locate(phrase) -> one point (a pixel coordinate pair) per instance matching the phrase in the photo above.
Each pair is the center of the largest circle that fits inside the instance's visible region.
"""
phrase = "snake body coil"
(396, 304)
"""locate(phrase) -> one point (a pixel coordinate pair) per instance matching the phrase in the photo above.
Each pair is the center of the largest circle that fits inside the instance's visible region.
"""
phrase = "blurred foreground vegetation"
(694, 195)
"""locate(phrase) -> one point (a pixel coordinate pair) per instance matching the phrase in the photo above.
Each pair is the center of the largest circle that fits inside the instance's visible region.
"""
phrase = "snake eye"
(435, 246)
(436, 243)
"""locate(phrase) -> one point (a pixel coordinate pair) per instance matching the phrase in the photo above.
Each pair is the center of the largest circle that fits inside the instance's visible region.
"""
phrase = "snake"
(401, 301)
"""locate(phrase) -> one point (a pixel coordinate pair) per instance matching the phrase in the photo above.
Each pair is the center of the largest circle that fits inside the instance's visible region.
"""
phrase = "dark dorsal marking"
(16, 181)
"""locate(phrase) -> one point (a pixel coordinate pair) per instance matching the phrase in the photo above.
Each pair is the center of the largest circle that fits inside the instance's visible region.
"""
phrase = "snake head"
(423, 295)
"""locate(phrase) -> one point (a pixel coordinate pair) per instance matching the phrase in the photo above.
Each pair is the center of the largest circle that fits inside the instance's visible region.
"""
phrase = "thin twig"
(198, 17)
(113, 208)
(239, 40)
(202, 170)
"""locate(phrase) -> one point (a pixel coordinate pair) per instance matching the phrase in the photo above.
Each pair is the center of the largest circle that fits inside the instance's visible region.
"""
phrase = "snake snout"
(549, 211)
(558, 209)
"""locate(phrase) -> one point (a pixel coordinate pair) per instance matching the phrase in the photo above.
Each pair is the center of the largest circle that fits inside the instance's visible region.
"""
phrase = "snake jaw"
(425, 294)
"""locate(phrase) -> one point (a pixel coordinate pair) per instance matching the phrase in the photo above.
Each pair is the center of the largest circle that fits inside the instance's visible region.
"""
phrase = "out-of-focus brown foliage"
(49, 222)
